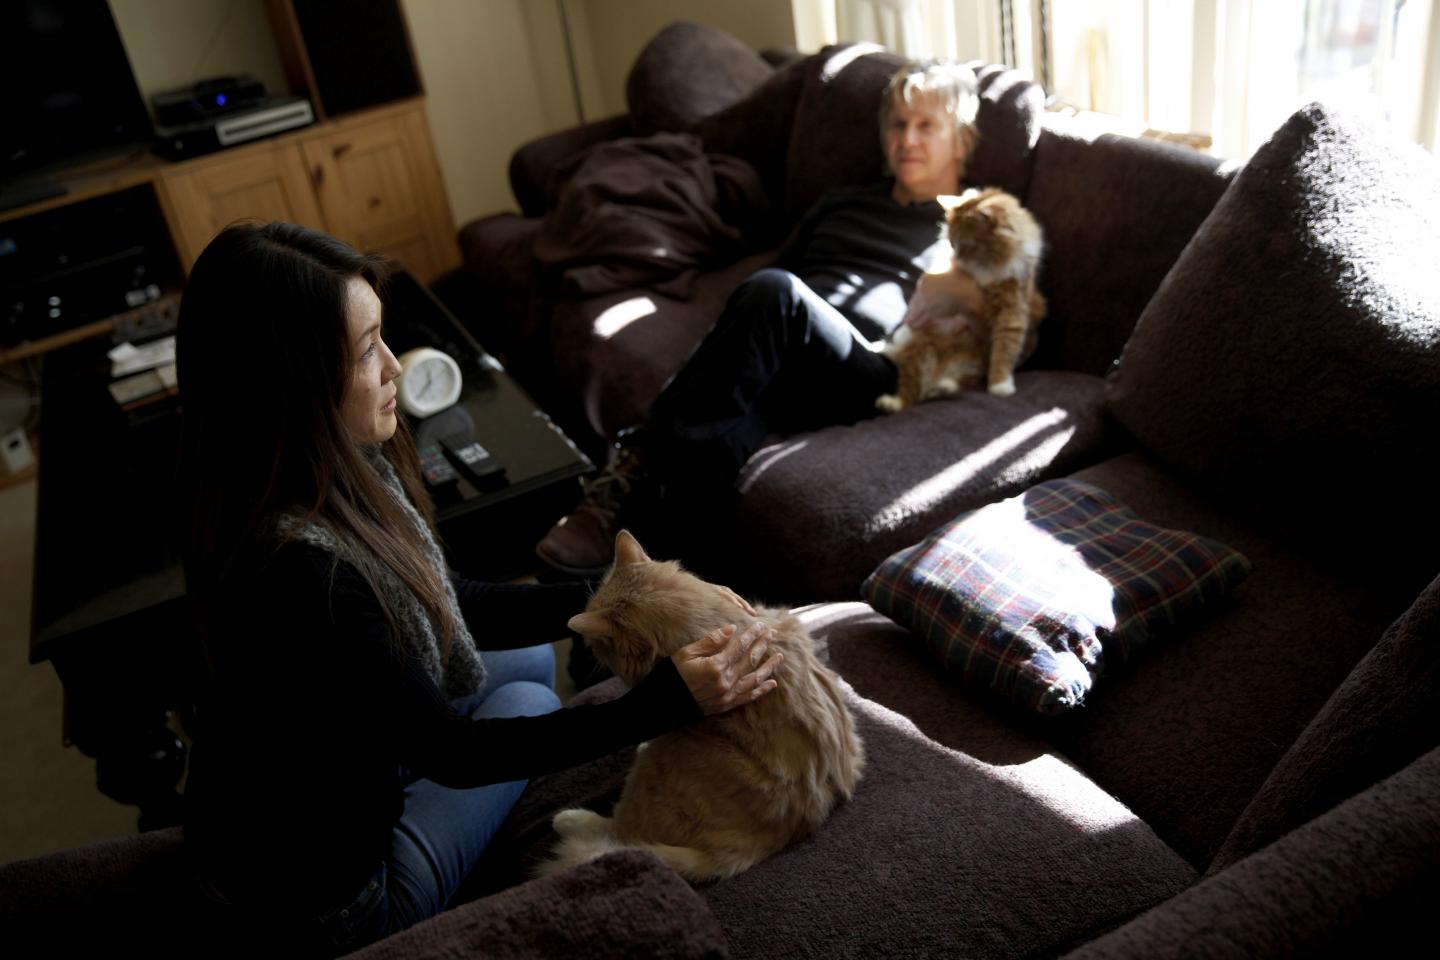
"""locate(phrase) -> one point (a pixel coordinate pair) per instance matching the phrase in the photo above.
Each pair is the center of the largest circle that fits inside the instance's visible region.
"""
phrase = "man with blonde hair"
(796, 346)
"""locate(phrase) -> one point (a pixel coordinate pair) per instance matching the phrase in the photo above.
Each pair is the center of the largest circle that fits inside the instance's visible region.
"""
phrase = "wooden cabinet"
(379, 189)
(370, 179)
(265, 182)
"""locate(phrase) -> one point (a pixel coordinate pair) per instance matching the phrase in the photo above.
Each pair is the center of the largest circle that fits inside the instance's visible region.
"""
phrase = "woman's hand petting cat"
(725, 669)
(736, 599)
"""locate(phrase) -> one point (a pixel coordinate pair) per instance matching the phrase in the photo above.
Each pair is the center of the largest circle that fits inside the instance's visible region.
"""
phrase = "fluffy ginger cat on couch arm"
(719, 796)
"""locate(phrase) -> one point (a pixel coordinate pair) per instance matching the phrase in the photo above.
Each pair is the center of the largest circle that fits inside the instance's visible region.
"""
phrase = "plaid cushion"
(1029, 597)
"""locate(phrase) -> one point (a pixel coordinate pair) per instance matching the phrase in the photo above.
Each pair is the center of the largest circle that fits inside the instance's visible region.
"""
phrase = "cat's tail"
(585, 835)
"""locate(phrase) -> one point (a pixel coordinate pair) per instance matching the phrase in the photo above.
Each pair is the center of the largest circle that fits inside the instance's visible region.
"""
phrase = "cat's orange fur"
(951, 338)
(714, 798)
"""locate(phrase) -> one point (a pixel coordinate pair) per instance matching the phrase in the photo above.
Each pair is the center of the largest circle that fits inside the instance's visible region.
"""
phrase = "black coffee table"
(109, 609)
(491, 531)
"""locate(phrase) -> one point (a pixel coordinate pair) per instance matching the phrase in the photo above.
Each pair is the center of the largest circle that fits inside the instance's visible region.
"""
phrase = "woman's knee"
(536, 664)
(521, 698)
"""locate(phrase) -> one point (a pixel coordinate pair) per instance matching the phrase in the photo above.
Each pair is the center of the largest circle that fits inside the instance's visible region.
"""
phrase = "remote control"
(474, 462)
(435, 467)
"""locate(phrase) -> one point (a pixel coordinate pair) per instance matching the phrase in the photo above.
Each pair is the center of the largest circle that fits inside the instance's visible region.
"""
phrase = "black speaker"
(359, 53)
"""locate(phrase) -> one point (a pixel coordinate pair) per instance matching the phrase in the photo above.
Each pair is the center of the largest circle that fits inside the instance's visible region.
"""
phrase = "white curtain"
(1232, 70)
(1235, 69)
(896, 24)
(956, 29)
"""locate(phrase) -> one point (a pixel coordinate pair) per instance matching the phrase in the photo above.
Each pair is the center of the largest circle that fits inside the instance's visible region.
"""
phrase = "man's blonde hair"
(948, 82)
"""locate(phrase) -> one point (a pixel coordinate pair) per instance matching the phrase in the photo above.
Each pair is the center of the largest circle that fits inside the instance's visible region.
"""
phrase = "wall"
(173, 43)
(496, 73)
(495, 77)
(618, 29)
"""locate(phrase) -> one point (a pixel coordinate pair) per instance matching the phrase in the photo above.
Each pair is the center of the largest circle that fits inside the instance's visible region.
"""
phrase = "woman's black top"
(314, 715)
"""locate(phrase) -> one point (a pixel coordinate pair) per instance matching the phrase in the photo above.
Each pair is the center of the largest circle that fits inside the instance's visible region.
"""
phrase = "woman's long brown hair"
(264, 357)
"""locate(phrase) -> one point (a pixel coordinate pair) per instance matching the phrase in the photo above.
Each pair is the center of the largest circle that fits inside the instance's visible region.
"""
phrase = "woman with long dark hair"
(355, 748)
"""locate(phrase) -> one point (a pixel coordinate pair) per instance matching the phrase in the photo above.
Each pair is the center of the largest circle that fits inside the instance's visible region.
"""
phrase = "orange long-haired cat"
(944, 344)
(717, 797)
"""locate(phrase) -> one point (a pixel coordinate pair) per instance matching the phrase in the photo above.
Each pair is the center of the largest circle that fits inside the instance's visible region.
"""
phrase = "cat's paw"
(577, 822)
(945, 387)
(1003, 388)
(889, 403)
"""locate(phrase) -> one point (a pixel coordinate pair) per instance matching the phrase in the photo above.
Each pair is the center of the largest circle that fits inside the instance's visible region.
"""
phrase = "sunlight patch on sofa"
(767, 458)
(1057, 786)
(620, 316)
(1037, 439)
(844, 58)
(1067, 793)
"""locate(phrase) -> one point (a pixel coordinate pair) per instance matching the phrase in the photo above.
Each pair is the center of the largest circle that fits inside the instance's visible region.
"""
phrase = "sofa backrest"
(1117, 212)
(757, 127)
(835, 140)
(812, 125)
(1291, 358)
(687, 72)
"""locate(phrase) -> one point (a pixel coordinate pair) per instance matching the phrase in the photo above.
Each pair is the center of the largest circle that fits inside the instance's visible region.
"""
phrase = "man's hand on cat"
(725, 669)
(941, 295)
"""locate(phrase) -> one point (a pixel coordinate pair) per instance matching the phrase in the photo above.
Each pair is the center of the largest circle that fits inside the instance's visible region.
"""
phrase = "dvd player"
(275, 115)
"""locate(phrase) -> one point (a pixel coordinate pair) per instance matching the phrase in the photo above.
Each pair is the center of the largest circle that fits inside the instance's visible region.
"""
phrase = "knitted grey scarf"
(463, 672)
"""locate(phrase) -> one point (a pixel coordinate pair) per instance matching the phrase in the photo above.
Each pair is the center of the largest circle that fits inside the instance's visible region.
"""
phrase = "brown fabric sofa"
(1116, 212)
(1264, 782)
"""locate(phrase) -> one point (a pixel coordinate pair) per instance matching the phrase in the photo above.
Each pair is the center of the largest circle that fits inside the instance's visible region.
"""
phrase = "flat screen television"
(70, 96)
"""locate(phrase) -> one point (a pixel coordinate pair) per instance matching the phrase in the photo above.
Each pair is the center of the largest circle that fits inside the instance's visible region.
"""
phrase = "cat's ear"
(591, 623)
(951, 202)
(628, 550)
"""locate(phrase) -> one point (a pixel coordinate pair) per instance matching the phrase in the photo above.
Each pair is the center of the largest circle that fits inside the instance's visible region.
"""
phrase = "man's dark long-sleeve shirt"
(863, 252)
(295, 781)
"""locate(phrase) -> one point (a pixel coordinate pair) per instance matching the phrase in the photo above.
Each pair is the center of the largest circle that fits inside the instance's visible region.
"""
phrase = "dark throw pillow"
(1291, 357)
(1030, 597)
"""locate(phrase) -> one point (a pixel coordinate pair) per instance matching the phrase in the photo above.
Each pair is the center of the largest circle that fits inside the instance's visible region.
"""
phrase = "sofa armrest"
(532, 164)
(1359, 880)
(622, 905)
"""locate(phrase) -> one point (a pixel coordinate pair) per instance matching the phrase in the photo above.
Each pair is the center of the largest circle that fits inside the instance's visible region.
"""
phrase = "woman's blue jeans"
(443, 831)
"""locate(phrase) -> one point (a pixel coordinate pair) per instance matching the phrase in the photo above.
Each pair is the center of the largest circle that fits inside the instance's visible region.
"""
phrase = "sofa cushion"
(687, 72)
(1292, 356)
(1030, 598)
(1187, 734)
(836, 136)
(963, 835)
(757, 128)
(1117, 212)
(1380, 719)
(1009, 121)
(842, 499)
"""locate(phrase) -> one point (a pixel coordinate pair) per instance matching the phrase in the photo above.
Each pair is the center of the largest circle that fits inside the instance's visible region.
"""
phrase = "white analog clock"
(429, 381)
